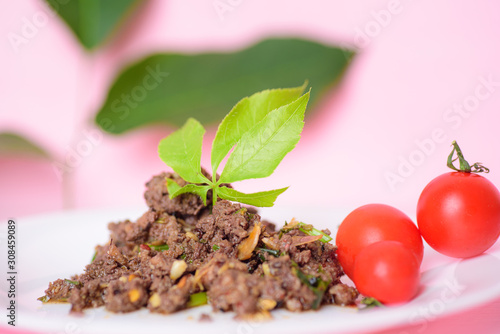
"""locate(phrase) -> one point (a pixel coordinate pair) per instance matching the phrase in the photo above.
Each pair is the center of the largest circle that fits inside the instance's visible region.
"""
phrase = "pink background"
(395, 104)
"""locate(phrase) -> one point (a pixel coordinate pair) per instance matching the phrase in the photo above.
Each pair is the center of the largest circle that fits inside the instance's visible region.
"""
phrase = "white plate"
(59, 245)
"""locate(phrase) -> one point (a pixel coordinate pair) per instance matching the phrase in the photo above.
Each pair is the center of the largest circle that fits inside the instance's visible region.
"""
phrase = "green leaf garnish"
(175, 190)
(245, 114)
(261, 149)
(261, 199)
(93, 257)
(197, 299)
(262, 135)
(215, 248)
(182, 151)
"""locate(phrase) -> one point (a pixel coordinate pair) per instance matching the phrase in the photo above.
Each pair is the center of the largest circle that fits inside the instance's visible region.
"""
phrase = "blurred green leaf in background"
(169, 88)
(92, 21)
(11, 143)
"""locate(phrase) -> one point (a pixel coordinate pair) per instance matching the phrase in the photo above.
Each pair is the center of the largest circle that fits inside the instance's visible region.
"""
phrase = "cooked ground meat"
(205, 317)
(179, 247)
(157, 199)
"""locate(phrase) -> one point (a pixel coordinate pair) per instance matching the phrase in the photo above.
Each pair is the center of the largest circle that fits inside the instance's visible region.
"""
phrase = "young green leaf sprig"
(261, 128)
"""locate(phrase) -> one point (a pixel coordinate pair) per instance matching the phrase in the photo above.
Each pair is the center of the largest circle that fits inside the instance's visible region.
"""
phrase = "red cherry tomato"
(458, 214)
(387, 271)
(372, 223)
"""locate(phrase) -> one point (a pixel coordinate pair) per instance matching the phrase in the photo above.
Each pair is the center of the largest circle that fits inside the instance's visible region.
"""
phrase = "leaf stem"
(214, 194)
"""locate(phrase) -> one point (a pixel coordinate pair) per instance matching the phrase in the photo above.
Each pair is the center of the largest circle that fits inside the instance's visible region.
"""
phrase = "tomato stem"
(464, 165)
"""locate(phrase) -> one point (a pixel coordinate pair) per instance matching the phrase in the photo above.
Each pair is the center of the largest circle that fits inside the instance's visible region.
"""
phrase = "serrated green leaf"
(261, 149)
(260, 199)
(245, 114)
(181, 150)
(92, 21)
(175, 190)
(169, 88)
(172, 187)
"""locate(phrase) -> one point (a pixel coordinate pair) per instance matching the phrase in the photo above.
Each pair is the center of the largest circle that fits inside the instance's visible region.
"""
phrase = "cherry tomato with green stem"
(458, 213)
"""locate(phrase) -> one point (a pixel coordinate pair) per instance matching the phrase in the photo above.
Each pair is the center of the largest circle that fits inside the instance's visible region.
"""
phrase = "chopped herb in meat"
(273, 252)
(72, 282)
(371, 302)
(316, 284)
(159, 247)
(197, 299)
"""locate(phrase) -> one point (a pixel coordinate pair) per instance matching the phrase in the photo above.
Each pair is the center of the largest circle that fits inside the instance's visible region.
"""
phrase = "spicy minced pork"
(180, 247)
